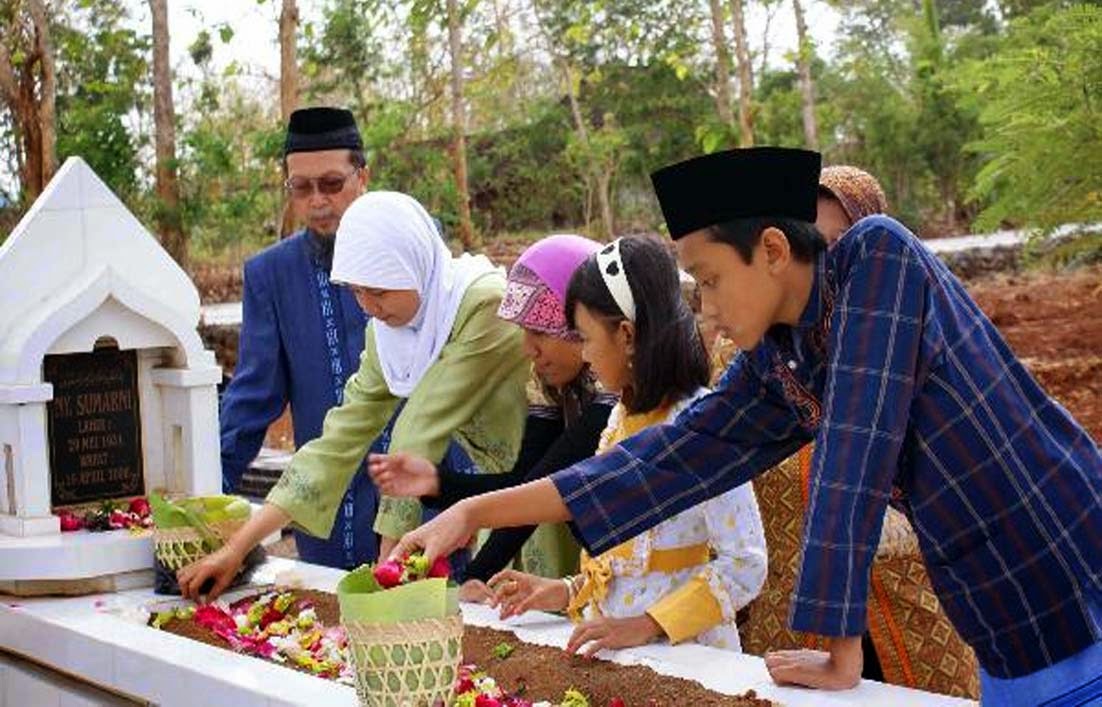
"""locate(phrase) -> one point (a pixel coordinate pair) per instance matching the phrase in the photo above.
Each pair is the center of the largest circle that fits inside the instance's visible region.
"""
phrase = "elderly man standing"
(301, 336)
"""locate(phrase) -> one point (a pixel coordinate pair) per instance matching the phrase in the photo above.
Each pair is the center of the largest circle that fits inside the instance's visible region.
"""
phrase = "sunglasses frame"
(313, 184)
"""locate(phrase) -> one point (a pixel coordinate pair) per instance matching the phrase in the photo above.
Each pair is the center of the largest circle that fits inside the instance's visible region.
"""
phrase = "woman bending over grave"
(441, 376)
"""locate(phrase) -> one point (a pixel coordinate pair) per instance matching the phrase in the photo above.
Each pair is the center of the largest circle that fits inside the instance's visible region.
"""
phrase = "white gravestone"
(106, 390)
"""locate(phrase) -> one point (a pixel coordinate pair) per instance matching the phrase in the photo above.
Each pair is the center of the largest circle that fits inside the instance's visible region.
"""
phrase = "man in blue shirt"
(874, 351)
(301, 337)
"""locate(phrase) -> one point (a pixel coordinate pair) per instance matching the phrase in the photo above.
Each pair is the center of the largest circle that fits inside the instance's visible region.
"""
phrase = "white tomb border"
(79, 269)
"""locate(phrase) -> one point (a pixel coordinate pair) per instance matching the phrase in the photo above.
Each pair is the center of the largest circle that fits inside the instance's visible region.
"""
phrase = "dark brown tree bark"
(29, 89)
(723, 65)
(807, 85)
(169, 223)
(745, 75)
(459, 127)
(288, 88)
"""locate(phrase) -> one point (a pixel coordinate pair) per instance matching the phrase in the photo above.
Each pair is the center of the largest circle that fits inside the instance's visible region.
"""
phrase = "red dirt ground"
(1053, 322)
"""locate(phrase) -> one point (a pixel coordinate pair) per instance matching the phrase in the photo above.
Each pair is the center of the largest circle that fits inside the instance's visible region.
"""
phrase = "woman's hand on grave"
(403, 475)
(441, 536)
(211, 575)
(219, 567)
(601, 633)
(517, 592)
(838, 669)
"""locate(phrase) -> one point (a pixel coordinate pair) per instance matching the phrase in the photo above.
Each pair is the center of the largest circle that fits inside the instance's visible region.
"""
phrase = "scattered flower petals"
(278, 627)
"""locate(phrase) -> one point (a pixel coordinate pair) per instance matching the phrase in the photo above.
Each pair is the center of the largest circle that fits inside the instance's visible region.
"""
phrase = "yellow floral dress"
(690, 573)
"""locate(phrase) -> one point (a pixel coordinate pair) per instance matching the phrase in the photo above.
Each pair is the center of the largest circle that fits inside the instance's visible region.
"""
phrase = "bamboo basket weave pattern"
(407, 664)
(179, 547)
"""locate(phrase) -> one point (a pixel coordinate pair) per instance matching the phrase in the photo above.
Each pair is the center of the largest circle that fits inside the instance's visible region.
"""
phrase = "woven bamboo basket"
(407, 664)
(178, 547)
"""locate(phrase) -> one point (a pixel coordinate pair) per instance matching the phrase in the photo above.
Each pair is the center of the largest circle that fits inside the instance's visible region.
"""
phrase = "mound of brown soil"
(541, 673)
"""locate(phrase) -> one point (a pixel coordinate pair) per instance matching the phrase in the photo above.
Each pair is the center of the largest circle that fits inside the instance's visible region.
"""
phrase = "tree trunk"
(18, 95)
(723, 65)
(459, 138)
(763, 57)
(288, 62)
(597, 179)
(745, 76)
(604, 199)
(506, 48)
(47, 116)
(807, 87)
(170, 226)
(28, 89)
(583, 135)
(575, 107)
(9, 85)
(33, 169)
(505, 41)
(288, 88)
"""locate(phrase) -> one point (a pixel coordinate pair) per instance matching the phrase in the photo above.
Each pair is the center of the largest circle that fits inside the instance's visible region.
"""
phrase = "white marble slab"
(73, 555)
(102, 639)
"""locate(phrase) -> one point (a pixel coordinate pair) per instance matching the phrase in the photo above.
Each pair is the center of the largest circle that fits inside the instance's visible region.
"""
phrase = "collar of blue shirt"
(816, 301)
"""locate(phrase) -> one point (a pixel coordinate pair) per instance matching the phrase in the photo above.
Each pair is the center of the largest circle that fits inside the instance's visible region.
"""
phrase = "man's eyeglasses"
(303, 187)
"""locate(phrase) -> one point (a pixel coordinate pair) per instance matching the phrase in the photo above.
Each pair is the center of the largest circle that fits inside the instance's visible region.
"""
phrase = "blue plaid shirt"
(911, 397)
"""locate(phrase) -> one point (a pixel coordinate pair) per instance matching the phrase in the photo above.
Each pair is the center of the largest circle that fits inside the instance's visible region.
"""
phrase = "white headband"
(611, 265)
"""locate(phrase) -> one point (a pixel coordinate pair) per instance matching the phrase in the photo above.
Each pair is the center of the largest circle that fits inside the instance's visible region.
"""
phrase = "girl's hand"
(444, 534)
(517, 592)
(602, 633)
(403, 475)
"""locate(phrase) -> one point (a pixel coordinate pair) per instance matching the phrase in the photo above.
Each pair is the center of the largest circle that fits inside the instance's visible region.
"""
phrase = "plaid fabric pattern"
(912, 397)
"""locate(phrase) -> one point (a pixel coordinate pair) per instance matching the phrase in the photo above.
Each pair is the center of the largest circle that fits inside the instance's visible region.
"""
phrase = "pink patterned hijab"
(535, 295)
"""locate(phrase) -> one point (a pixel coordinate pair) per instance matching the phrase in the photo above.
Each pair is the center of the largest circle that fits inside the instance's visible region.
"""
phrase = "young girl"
(685, 578)
(441, 376)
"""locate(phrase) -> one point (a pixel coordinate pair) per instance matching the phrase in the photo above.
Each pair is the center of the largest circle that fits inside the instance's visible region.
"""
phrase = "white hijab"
(386, 240)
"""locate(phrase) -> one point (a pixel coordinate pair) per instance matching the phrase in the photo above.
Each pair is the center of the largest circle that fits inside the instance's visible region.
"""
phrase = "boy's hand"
(441, 536)
(838, 669)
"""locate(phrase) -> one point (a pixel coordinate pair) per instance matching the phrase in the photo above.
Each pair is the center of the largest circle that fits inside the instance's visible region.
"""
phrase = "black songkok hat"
(322, 128)
(752, 182)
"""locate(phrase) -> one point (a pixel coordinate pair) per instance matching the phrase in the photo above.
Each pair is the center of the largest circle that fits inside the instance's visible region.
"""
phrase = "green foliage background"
(975, 116)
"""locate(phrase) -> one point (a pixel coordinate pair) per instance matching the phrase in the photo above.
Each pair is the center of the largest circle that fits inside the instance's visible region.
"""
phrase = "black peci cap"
(751, 182)
(321, 128)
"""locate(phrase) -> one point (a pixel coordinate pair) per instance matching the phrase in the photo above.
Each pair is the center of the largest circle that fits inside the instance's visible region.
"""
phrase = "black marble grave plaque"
(94, 426)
